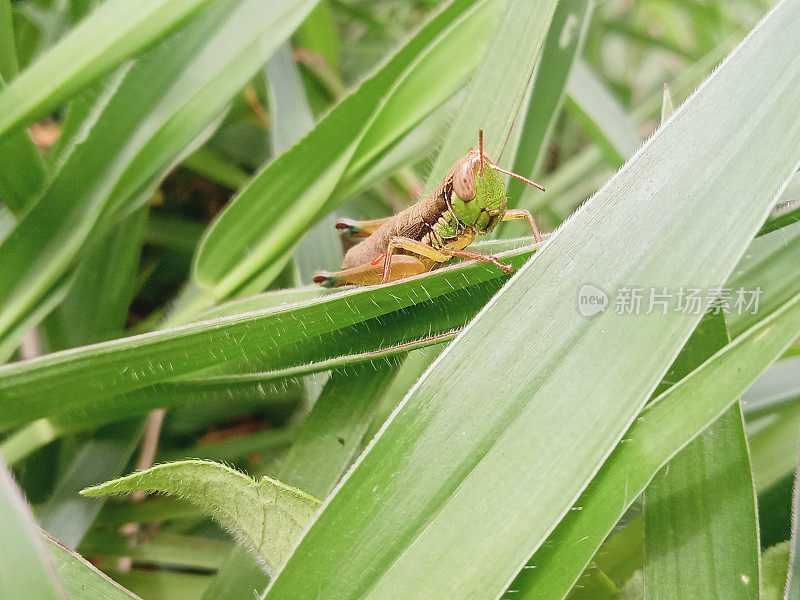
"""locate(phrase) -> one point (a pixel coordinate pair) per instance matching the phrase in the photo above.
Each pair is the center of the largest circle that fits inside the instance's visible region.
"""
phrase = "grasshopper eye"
(464, 180)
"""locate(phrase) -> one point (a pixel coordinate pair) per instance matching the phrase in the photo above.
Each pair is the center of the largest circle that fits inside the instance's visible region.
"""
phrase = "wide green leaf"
(265, 515)
(457, 479)
(669, 423)
(249, 339)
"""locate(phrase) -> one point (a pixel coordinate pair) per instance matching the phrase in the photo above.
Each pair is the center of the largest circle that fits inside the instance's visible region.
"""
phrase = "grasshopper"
(469, 201)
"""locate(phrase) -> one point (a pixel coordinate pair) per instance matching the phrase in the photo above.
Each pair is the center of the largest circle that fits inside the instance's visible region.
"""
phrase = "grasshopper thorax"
(479, 194)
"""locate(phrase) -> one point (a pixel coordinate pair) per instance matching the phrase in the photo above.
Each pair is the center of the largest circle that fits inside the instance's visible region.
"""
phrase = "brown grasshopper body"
(470, 200)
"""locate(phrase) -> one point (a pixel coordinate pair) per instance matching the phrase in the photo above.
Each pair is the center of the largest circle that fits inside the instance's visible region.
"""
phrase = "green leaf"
(26, 570)
(117, 30)
(265, 515)
(102, 290)
(292, 118)
(486, 491)
(779, 385)
(163, 548)
(564, 42)
(66, 516)
(333, 432)
(601, 114)
(507, 73)
(239, 341)
(793, 575)
(701, 532)
(82, 580)
(775, 561)
(669, 423)
(8, 51)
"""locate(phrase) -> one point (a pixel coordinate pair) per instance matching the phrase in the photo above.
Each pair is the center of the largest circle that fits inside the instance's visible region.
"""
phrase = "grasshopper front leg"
(520, 213)
(436, 255)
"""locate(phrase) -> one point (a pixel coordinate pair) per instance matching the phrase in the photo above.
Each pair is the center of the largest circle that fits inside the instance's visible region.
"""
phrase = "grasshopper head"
(479, 194)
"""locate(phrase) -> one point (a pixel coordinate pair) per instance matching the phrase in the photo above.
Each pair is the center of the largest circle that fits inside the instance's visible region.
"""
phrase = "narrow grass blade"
(601, 114)
(774, 389)
(162, 548)
(774, 564)
(456, 480)
(793, 576)
(292, 118)
(564, 42)
(67, 516)
(503, 74)
(701, 532)
(8, 51)
(117, 30)
(334, 430)
(82, 580)
(237, 340)
(26, 570)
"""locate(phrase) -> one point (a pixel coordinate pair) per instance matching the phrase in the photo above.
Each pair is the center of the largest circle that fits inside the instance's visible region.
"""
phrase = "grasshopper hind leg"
(402, 266)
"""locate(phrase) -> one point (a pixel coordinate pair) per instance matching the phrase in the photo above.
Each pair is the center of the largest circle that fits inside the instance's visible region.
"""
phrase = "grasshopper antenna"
(480, 147)
(520, 177)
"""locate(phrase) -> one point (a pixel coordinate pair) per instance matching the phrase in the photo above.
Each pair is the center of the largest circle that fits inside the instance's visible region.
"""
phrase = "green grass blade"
(333, 432)
(117, 30)
(8, 51)
(265, 515)
(66, 516)
(292, 118)
(774, 389)
(82, 580)
(163, 548)
(102, 289)
(26, 570)
(774, 563)
(564, 42)
(793, 575)
(601, 114)
(23, 174)
(238, 340)
(701, 532)
(503, 76)
(663, 428)
(485, 490)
